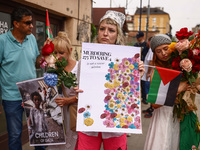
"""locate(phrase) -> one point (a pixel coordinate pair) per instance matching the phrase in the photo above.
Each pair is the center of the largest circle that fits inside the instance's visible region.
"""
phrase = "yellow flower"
(129, 119)
(118, 115)
(119, 95)
(111, 86)
(126, 63)
(128, 78)
(128, 71)
(116, 83)
(111, 105)
(131, 66)
(88, 121)
(122, 124)
(172, 46)
(106, 84)
(122, 119)
(127, 89)
(115, 67)
(123, 98)
(118, 105)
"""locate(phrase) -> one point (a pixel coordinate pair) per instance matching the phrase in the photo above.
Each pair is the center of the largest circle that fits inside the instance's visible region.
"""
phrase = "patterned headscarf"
(116, 16)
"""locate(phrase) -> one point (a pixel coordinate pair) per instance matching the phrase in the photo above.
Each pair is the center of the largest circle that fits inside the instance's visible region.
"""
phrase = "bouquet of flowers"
(185, 57)
(56, 73)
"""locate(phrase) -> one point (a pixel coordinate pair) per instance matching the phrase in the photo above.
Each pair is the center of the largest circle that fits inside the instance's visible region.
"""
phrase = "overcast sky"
(183, 13)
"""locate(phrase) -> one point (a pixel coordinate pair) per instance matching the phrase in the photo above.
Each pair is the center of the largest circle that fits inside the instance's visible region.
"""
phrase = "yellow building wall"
(162, 23)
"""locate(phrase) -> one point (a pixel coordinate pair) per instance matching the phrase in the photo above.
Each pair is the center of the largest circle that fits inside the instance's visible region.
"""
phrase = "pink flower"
(182, 45)
(137, 119)
(136, 79)
(107, 91)
(43, 63)
(109, 123)
(135, 86)
(196, 52)
(112, 71)
(136, 94)
(137, 125)
(186, 65)
(137, 60)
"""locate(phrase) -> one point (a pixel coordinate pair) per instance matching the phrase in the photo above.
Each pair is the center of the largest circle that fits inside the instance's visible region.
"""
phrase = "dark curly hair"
(36, 94)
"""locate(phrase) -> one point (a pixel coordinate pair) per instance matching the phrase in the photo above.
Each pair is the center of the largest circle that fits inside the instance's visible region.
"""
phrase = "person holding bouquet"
(185, 57)
(110, 32)
(63, 49)
(164, 129)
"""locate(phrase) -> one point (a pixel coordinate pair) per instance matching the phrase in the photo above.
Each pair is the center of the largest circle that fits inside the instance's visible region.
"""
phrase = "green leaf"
(64, 62)
(59, 70)
(51, 70)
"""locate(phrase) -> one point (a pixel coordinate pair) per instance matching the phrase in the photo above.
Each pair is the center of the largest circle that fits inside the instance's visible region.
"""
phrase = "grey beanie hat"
(158, 40)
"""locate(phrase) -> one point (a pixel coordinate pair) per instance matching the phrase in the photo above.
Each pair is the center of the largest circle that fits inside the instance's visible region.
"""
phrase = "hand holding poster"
(44, 119)
(110, 80)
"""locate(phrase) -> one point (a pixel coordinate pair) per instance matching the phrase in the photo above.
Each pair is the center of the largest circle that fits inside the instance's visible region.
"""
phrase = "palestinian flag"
(48, 28)
(164, 86)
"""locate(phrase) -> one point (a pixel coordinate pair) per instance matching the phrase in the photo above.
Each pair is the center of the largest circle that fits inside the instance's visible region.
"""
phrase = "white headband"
(115, 15)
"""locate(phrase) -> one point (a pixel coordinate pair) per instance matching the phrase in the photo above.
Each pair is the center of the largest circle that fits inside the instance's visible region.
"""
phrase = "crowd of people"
(15, 54)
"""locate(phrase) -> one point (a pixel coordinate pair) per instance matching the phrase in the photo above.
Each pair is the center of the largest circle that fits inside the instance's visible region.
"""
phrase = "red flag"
(48, 28)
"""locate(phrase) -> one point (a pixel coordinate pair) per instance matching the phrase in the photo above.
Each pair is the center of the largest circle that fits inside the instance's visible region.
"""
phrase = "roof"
(153, 11)
(98, 13)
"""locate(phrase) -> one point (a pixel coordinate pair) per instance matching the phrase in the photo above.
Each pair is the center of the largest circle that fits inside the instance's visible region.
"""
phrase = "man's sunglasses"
(27, 22)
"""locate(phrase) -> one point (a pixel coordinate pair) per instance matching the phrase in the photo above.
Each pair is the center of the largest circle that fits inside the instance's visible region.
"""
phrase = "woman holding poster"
(63, 49)
(164, 129)
(110, 32)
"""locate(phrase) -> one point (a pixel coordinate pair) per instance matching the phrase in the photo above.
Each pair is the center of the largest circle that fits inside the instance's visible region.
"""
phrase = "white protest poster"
(110, 80)
(43, 115)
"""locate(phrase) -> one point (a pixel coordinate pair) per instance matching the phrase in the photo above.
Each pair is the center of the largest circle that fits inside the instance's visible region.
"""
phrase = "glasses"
(27, 22)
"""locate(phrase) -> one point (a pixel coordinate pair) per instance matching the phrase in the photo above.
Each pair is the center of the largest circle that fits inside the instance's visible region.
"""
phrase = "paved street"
(135, 142)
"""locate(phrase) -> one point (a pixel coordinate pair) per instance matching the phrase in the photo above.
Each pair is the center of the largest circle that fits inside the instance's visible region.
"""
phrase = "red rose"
(183, 34)
(190, 54)
(176, 63)
(196, 68)
(197, 59)
(47, 49)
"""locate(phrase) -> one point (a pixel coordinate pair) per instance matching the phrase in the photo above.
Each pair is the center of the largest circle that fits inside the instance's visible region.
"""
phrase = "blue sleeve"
(37, 53)
(1, 48)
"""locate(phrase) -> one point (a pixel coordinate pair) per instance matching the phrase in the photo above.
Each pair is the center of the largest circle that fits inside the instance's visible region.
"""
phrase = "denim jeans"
(13, 111)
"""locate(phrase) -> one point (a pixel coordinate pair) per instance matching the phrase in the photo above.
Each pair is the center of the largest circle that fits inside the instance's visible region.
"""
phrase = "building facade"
(72, 16)
(159, 20)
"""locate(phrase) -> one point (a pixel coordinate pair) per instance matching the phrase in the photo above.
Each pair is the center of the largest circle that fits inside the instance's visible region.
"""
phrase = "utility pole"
(147, 26)
(110, 3)
(140, 15)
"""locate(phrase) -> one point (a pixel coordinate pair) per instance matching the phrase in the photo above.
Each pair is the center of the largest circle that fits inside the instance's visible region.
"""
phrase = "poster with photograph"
(43, 115)
(110, 80)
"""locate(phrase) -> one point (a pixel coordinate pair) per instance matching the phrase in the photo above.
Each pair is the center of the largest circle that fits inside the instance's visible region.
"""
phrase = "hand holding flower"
(182, 45)
(183, 86)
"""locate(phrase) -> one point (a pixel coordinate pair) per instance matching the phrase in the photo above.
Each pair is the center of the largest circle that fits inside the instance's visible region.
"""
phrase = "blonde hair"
(62, 43)
(120, 36)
